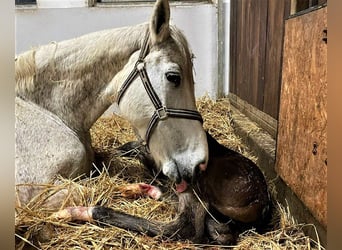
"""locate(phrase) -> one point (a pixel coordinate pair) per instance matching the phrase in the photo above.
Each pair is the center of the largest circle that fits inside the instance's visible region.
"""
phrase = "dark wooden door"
(257, 28)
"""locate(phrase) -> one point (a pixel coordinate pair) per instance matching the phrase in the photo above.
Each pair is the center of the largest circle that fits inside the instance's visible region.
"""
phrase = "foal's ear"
(159, 24)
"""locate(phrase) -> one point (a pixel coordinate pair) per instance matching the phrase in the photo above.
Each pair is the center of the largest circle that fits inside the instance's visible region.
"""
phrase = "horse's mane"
(25, 71)
(28, 71)
(181, 41)
(185, 49)
(75, 58)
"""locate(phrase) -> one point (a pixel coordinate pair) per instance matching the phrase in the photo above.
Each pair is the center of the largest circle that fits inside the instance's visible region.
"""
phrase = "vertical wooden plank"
(256, 48)
(302, 135)
(287, 11)
(232, 44)
(251, 40)
(260, 34)
(240, 36)
(246, 50)
(273, 58)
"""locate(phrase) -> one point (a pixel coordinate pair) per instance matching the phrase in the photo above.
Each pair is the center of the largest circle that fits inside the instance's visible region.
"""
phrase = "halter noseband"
(161, 112)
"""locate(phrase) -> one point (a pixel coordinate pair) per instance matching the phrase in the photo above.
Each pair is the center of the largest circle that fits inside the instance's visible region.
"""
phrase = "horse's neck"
(72, 77)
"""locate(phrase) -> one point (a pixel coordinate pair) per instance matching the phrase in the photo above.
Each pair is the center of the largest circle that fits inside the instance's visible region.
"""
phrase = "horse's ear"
(159, 24)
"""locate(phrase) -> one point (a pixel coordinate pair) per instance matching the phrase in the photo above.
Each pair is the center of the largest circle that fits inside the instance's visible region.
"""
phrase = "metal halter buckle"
(140, 65)
(162, 113)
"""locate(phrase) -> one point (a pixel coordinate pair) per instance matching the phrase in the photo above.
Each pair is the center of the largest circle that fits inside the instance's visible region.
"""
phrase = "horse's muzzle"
(187, 180)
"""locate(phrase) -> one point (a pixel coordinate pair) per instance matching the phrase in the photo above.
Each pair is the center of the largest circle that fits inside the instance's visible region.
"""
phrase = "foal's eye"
(173, 77)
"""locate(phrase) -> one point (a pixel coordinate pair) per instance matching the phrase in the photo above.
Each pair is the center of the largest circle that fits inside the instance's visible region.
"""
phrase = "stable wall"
(40, 25)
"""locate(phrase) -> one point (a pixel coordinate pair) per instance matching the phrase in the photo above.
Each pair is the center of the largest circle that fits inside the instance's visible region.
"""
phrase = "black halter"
(161, 112)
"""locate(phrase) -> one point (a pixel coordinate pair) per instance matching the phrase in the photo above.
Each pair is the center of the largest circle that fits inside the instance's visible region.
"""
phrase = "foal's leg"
(189, 224)
(178, 228)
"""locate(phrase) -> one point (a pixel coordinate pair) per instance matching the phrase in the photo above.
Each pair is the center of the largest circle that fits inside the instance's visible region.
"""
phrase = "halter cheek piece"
(161, 112)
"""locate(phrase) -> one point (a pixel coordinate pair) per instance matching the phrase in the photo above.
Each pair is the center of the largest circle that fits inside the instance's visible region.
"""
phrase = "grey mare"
(63, 88)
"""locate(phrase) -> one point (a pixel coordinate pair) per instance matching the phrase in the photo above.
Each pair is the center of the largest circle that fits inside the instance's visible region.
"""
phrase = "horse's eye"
(173, 77)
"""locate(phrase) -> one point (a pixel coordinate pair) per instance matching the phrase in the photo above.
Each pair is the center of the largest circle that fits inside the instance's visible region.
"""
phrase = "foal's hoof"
(137, 190)
(221, 233)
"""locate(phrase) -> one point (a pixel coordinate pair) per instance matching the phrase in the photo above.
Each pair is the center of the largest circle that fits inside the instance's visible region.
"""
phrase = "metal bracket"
(162, 113)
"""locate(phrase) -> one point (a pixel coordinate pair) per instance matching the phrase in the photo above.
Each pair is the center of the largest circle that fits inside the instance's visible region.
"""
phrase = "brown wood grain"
(302, 133)
(232, 48)
(273, 57)
(256, 50)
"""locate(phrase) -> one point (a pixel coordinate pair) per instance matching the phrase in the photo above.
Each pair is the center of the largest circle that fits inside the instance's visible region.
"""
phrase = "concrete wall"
(43, 24)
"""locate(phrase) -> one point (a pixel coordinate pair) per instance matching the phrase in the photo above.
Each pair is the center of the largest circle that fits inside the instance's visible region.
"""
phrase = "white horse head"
(178, 145)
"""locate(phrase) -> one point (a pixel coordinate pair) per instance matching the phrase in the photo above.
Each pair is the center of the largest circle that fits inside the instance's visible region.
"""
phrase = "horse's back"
(45, 146)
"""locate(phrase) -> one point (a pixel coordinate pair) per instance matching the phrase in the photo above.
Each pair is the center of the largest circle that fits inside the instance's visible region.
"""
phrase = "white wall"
(37, 26)
(61, 3)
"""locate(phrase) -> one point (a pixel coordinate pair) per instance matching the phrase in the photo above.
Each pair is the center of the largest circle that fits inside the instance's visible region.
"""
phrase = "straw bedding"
(35, 229)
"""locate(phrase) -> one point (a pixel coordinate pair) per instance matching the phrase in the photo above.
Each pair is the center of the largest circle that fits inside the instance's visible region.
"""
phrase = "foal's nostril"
(202, 166)
(197, 171)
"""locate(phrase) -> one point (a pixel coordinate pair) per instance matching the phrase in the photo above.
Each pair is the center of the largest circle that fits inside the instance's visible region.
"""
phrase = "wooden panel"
(274, 42)
(287, 10)
(302, 133)
(256, 50)
(251, 51)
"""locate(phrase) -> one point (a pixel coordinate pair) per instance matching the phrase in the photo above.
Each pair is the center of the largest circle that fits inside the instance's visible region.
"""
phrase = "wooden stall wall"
(256, 40)
(302, 133)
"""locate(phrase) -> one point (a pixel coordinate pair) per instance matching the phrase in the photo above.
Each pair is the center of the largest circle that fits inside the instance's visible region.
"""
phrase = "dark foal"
(233, 197)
